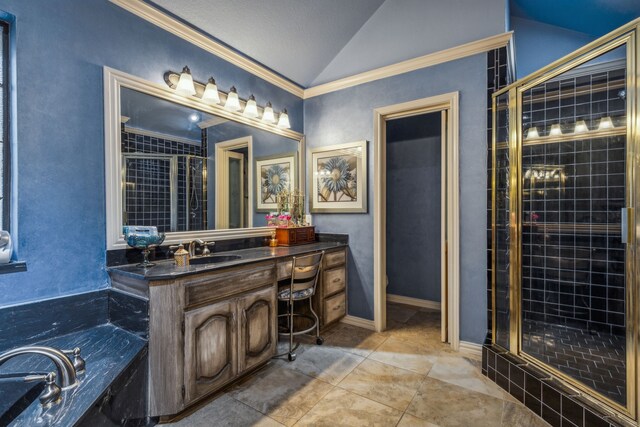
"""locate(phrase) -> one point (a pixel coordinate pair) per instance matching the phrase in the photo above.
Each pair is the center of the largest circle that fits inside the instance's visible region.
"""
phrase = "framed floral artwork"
(274, 174)
(339, 180)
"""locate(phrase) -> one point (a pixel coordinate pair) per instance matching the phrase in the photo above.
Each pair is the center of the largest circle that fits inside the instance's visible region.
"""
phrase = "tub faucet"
(66, 371)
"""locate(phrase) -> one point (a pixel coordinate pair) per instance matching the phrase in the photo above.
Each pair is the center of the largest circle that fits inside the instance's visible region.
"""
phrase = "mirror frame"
(114, 80)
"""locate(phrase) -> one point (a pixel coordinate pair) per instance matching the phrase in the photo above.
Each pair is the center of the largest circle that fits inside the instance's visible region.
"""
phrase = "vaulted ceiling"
(311, 42)
(296, 38)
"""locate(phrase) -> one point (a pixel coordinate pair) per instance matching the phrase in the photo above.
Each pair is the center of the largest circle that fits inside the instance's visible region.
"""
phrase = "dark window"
(5, 158)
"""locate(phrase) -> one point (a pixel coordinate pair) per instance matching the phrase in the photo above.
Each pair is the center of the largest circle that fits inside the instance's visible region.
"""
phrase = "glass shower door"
(573, 224)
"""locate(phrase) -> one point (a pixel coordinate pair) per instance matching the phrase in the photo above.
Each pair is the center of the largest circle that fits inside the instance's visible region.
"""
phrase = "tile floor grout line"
(343, 403)
(333, 387)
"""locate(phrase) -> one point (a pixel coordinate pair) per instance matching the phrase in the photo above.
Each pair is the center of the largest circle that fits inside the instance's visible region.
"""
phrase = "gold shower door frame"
(624, 36)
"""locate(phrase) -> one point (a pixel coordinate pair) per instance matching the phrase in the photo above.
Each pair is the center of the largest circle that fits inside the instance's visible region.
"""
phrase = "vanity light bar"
(184, 85)
(580, 127)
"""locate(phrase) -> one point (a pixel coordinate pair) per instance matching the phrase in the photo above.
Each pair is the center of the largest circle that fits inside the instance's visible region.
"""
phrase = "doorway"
(444, 109)
(233, 183)
(415, 215)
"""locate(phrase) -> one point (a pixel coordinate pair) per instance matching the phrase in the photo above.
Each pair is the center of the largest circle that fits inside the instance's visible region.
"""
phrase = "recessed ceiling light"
(194, 117)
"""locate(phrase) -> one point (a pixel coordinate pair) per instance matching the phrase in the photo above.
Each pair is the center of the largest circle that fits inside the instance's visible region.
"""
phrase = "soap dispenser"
(181, 256)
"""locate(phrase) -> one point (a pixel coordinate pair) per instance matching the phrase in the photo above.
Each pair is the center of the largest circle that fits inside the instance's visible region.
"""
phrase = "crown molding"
(160, 135)
(172, 25)
(457, 52)
(214, 121)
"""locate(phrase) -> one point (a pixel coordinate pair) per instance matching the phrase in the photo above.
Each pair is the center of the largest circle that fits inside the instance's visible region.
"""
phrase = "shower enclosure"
(564, 238)
(165, 190)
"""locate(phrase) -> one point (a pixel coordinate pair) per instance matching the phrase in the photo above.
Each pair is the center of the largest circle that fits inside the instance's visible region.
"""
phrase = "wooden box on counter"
(291, 236)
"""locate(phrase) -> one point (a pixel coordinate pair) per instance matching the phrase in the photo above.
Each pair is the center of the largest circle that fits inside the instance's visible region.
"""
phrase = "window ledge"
(13, 267)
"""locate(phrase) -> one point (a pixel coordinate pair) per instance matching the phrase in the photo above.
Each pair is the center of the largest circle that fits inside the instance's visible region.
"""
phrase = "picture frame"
(270, 172)
(338, 181)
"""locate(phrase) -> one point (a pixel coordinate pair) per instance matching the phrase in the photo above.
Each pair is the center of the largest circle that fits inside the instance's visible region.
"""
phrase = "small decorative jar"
(181, 257)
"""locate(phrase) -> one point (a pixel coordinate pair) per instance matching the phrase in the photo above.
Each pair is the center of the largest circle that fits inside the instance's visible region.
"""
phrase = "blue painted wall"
(413, 206)
(538, 44)
(347, 115)
(61, 47)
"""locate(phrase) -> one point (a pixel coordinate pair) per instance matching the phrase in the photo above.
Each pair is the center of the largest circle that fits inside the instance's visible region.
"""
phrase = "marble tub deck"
(402, 377)
(107, 350)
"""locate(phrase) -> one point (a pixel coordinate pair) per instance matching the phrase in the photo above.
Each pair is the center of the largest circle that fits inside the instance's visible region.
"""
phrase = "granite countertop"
(107, 350)
(167, 270)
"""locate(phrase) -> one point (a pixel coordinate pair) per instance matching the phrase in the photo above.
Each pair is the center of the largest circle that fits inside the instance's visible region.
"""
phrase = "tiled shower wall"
(498, 76)
(150, 204)
(572, 255)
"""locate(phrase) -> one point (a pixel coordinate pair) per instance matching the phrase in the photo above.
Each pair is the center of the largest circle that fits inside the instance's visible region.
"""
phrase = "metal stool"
(304, 277)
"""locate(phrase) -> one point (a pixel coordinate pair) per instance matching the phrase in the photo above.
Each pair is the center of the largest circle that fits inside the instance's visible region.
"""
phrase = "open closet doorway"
(416, 253)
(416, 217)
(233, 183)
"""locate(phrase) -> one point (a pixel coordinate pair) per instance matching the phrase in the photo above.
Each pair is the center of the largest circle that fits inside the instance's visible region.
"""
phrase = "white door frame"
(222, 180)
(447, 102)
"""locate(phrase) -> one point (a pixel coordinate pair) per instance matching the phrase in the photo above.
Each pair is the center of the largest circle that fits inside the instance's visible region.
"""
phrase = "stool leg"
(319, 339)
(292, 356)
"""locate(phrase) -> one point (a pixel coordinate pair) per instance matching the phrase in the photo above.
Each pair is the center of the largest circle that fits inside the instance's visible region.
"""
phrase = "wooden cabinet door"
(210, 353)
(258, 332)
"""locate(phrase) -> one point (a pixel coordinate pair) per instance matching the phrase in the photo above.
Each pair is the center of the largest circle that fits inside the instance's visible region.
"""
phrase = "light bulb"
(581, 127)
(532, 133)
(267, 114)
(185, 84)
(605, 123)
(233, 102)
(194, 117)
(210, 94)
(251, 109)
(283, 120)
(555, 130)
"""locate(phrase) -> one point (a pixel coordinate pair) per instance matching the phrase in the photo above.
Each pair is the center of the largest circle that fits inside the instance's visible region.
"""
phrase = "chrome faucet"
(66, 370)
(52, 392)
(202, 244)
(192, 247)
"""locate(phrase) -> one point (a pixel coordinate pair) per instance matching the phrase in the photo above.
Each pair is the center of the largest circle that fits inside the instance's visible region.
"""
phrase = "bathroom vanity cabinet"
(211, 325)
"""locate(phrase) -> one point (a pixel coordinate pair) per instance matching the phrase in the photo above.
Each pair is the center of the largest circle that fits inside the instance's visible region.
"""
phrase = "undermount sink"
(213, 259)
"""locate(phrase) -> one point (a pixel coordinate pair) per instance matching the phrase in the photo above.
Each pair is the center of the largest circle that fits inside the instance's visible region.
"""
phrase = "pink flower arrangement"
(271, 219)
(284, 219)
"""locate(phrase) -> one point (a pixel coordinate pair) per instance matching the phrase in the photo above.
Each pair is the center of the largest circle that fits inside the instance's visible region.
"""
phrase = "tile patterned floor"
(402, 377)
(597, 359)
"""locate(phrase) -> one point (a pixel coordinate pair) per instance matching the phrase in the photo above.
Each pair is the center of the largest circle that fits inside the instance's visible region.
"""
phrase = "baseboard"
(471, 349)
(359, 321)
(416, 302)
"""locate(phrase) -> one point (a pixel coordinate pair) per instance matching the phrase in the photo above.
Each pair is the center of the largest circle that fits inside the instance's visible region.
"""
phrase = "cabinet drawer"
(335, 307)
(227, 282)
(333, 281)
(334, 259)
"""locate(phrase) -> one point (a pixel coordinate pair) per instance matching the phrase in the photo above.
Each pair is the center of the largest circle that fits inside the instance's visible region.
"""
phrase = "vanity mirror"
(189, 168)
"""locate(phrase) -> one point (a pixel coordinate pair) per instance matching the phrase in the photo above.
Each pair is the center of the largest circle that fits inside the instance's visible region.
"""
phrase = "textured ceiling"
(296, 38)
(592, 17)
